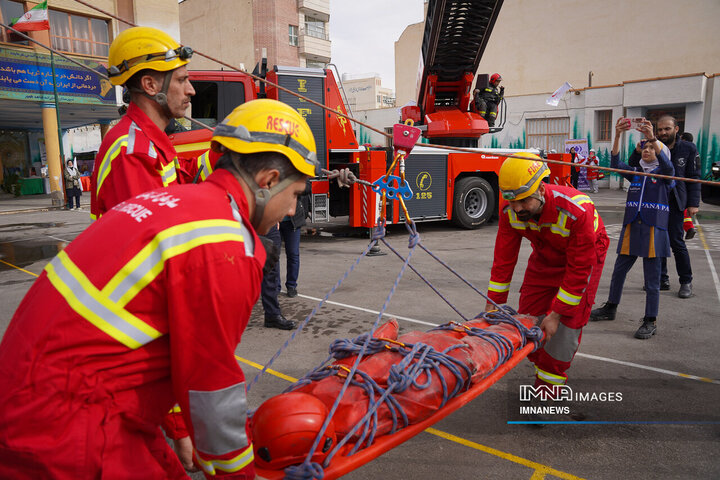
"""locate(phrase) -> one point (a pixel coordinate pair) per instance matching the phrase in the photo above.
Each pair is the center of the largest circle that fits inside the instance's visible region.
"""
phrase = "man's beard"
(524, 215)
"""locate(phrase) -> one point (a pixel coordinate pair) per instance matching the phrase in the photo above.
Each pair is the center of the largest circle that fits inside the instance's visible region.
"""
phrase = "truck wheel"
(473, 203)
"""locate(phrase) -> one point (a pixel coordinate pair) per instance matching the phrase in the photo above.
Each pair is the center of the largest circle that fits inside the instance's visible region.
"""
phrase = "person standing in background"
(72, 186)
(685, 195)
(591, 173)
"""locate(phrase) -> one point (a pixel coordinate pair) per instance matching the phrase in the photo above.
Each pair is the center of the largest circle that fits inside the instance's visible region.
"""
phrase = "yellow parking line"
(21, 269)
(540, 469)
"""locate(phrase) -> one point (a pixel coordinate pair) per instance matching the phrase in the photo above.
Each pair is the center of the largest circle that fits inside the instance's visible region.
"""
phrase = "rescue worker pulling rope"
(569, 246)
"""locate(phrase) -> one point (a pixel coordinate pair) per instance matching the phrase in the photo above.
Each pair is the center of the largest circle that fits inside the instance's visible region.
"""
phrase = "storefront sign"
(26, 75)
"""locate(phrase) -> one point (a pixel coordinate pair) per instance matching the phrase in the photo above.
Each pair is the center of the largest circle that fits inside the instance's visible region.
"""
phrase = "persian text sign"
(26, 75)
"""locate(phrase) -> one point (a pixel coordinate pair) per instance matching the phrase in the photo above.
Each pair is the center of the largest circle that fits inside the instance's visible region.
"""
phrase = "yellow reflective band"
(550, 377)
(95, 307)
(203, 164)
(560, 226)
(569, 298)
(168, 174)
(499, 287)
(514, 222)
(106, 162)
(175, 409)
(189, 147)
(581, 199)
(234, 464)
(147, 264)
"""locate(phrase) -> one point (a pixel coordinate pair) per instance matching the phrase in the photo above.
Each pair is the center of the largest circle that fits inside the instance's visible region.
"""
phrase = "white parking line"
(592, 357)
(709, 258)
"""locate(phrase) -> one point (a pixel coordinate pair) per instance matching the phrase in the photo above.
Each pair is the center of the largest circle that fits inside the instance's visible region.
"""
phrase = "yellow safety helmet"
(266, 125)
(138, 48)
(520, 175)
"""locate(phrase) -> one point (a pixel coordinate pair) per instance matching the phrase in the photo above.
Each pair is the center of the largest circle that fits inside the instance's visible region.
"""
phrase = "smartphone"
(636, 122)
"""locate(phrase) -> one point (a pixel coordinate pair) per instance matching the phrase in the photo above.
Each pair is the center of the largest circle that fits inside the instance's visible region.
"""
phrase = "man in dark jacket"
(685, 195)
(287, 231)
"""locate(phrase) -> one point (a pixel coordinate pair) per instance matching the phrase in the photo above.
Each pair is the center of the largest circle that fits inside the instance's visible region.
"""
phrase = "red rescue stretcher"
(421, 409)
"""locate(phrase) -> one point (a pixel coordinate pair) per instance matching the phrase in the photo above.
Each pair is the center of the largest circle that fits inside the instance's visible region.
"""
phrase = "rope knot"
(414, 239)
(379, 231)
(305, 471)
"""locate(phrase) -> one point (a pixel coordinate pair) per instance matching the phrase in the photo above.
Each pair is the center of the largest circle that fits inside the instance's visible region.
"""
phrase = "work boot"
(606, 312)
(665, 284)
(646, 330)
(690, 234)
(291, 292)
(685, 290)
(278, 321)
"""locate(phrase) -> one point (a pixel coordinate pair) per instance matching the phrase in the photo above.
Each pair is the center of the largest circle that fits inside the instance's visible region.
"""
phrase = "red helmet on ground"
(495, 79)
(284, 429)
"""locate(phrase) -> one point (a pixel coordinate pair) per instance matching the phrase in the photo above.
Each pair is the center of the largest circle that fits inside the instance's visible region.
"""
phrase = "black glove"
(272, 253)
(502, 91)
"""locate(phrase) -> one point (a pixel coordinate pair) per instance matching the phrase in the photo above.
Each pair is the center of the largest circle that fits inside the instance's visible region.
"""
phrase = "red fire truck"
(445, 184)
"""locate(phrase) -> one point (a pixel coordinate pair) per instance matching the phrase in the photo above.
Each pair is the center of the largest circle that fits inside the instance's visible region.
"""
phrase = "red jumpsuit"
(135, 156)
(569, 245)
(143, 310)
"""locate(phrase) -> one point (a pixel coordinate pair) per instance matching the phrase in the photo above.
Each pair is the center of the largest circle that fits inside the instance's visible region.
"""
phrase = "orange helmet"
(495, 79)
(285, 427)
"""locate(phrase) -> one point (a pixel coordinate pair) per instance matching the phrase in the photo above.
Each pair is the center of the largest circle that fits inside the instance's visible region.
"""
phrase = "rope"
(310, 315)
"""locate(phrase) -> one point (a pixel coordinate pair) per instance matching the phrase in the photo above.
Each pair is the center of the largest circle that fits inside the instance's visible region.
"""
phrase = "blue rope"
(378, 231)
(310, 315)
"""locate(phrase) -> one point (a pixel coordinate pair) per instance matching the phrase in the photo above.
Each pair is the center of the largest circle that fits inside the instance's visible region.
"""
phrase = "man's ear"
(149, 84)
(267, 178)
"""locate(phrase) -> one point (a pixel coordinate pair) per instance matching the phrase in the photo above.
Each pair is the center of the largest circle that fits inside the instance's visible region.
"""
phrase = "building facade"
(640, 58)
(287, 32)
(44, 95)
(366, 92)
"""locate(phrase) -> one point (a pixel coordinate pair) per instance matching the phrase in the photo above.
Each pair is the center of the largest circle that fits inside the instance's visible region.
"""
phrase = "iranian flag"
(35, 19)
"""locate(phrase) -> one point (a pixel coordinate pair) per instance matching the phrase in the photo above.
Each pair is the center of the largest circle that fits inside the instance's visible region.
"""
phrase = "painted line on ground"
(706, 247)
(593, 357)
(540, 469)
(59, 239)
(21, 269)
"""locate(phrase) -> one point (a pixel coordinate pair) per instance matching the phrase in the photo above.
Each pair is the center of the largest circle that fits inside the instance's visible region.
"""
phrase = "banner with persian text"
(27, 75)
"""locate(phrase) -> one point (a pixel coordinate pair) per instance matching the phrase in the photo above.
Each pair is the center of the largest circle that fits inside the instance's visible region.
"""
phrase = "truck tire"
(473, 202)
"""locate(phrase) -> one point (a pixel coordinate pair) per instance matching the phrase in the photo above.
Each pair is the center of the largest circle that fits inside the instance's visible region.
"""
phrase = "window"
(293, 34)
(314, 64)
(547, 133)
(10, 10)
(78, 34)
(603, 122)
(315, 28)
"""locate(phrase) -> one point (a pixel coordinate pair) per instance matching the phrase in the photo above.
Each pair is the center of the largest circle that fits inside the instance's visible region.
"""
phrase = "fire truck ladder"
(456, 34)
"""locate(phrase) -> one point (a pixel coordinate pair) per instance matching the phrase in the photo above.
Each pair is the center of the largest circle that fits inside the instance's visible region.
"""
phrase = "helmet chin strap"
(161, 97)
(262, 195)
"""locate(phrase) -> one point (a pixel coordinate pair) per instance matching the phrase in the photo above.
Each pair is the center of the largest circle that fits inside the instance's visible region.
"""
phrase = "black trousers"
(677, 244)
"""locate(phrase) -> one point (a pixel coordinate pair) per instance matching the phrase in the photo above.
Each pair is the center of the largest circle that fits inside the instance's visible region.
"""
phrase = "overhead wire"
(341, 114)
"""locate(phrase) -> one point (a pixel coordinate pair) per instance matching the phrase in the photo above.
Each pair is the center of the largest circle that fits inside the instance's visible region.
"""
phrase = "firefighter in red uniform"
(108, 338)
(569, 244)
(136, 155)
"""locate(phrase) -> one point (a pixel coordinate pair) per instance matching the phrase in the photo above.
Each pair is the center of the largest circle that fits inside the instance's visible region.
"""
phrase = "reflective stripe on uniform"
(147, 264)
(567, 297)
(106, 162)
(550, 378)
(560, 227)
(581, 199)
(499, 287)
(203, 164)
(557, 194)
(91, 304)
(218, 418)
(232, 465)
(168, 174)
